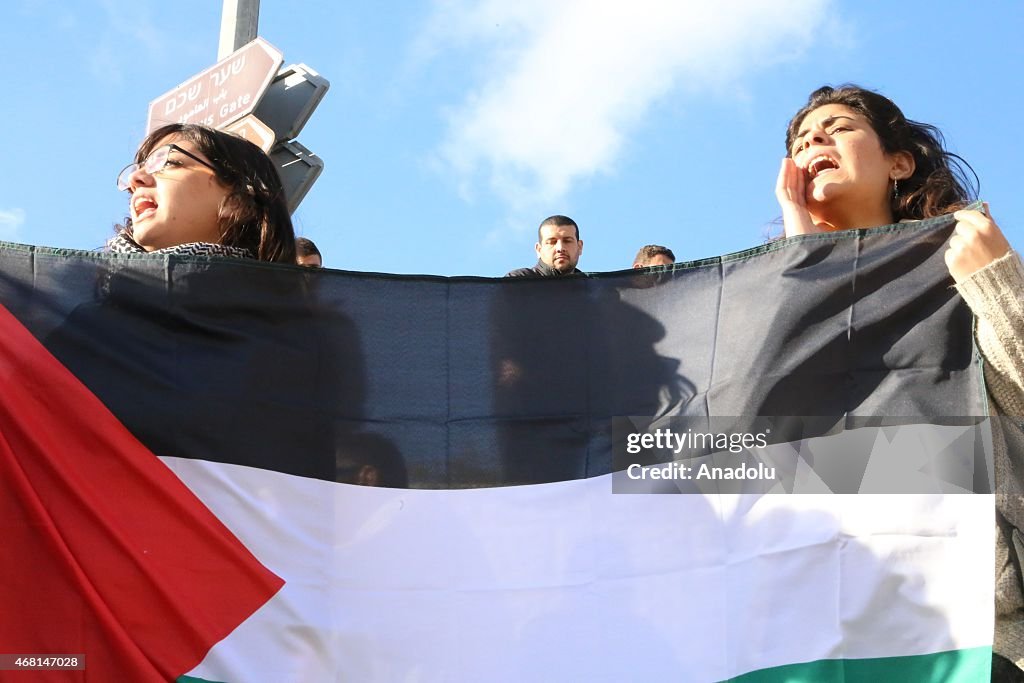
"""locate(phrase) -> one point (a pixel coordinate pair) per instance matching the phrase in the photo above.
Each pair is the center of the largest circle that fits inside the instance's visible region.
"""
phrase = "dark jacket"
(542, 270)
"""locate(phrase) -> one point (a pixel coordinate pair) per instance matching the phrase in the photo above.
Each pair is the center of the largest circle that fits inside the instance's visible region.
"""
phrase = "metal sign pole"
(230, 96)
(239, 24)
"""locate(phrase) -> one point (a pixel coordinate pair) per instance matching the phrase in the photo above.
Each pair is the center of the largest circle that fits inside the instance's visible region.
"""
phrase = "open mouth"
(143, 207)
(821, 164)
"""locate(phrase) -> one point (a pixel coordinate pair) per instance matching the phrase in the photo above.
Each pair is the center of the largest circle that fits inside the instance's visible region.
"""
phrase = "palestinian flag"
(221, 470)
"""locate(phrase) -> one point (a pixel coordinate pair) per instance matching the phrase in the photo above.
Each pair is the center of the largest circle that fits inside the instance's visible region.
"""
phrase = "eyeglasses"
(154, 163)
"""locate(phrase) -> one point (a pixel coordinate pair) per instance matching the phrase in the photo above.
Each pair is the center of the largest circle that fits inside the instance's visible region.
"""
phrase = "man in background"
(654, 255)
(306, 253)
(558, 249)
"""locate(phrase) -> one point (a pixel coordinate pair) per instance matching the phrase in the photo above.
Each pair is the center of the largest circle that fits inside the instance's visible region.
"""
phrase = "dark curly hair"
(940, 182)
(254, 215)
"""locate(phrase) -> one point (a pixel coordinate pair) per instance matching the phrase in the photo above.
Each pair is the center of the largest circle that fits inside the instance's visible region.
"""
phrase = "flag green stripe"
(956, 666)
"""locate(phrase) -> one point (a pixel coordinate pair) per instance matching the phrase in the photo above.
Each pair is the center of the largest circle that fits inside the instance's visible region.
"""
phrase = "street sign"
(291, 99)
(222, 94)
(253, 130)
(299, 168)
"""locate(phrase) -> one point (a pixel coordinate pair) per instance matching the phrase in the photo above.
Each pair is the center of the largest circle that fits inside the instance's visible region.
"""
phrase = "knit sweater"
(995, 294)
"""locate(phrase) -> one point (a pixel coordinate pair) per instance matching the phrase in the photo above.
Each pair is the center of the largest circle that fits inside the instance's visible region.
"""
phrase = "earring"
(895, 189)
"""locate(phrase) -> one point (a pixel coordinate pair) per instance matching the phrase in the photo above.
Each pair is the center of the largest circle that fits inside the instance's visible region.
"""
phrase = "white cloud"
(562, 84)
(10, 221)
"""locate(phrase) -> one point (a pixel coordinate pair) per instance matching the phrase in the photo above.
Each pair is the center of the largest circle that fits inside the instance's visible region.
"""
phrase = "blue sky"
(453, 127)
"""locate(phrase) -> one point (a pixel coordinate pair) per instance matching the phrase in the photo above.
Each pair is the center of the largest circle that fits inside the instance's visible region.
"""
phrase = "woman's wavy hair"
(254, 214)
(940, 182)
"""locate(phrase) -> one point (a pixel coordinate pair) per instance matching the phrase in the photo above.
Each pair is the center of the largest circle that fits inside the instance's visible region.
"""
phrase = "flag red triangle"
(105, 551)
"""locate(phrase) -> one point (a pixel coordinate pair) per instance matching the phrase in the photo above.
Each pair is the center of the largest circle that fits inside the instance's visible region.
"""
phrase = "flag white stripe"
(568, 581)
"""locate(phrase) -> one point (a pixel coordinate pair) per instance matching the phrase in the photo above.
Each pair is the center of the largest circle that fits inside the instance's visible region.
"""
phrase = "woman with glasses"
(170, 343)
(193, 189)
(853, 161)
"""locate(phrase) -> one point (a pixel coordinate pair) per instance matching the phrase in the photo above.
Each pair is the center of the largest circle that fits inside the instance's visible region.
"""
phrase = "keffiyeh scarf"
(122, 243)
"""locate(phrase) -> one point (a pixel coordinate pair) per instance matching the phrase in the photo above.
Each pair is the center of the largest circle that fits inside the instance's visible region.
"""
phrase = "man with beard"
(558, 249)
